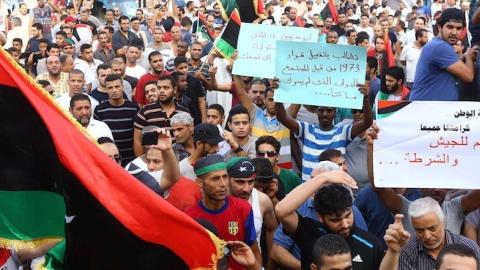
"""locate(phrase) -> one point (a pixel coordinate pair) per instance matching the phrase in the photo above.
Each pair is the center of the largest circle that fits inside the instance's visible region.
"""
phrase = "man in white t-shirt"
(88, 65)
(133, 69)
(411, 53)
(76, 85)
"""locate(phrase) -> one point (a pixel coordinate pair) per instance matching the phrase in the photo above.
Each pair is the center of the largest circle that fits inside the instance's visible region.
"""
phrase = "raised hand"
(337, 177)
(164, 140)
(372, 133)
(242, 253)
(396, 237)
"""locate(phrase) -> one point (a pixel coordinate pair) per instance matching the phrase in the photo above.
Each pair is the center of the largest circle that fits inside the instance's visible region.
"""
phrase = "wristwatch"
(238, 150)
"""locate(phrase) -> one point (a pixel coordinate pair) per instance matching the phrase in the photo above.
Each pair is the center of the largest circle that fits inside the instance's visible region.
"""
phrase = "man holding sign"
(319, 137)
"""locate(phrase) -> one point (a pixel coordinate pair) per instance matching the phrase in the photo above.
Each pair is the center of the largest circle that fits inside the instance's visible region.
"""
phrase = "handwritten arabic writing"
(257, 47)
(330, 72)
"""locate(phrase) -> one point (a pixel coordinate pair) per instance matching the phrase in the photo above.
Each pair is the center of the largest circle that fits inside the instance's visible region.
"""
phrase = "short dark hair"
(177, 74)
(349, 32)
(219, 108)
(154, 82)
(419, 33)
(455, 249)
(84, 47)
(103, 67)
(52, 46)
(168, 78)
(267, 139)
(237, 109)
(39, 26)
(104, 140)
(11, 50)
(113, 77)
(372, 62)
(153, 54)
(186, 21)
(329, 154)
(361, 36)
(43, 83)
(61, 33)
(332, 199)
(18, 40)
(44, 40)
(179, 60)
(122, 18)
(329, 245)
(134, 19)
(402, 24)
(396, 72)
(78, 97)
(263, 169)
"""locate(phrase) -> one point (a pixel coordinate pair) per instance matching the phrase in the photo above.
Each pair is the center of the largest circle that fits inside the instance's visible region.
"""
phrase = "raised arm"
(137, 142)
(389, 198)
(171, 170)
(286, 119)
(269, 219)
(396, 238)
(359, 127)
(242, 94)
(471, 201)
(286, 208)
(465, 71)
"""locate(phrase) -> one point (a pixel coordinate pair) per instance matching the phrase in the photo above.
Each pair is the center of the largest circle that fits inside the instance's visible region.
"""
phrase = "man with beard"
(81, 110)
(155, 59)
(411, 53)
(232, 217)
(439, 67)
(158, 113)
(76, 84)
(454, 209)
(58, 80)
(333, 202)
(241, 173)
(122, 37)
(393, 88)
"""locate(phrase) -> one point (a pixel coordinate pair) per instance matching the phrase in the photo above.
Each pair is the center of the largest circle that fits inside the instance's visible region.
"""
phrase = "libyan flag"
(227, 43)
(56, 184)
(250, 10)
(203, 29)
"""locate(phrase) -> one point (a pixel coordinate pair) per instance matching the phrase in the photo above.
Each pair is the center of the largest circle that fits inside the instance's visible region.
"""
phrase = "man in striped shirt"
(158, 113)
(118, 114)
(324, 135)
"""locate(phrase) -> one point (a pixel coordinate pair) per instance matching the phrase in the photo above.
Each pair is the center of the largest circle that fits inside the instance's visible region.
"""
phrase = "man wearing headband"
(241, 172)
(232, 217)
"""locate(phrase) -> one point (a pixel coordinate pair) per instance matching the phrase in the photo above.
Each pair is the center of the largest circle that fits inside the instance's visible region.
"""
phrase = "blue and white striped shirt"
(315, 141)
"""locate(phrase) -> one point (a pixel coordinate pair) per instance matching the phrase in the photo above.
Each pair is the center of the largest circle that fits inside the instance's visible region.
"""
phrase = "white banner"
(428, 144)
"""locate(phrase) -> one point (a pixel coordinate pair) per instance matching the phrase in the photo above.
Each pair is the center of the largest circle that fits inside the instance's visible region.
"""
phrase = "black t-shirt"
(194, 91)
(365, 248)
(131, 80)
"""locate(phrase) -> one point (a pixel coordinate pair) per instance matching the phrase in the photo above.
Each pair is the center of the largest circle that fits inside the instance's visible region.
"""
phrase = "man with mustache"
(439, 67)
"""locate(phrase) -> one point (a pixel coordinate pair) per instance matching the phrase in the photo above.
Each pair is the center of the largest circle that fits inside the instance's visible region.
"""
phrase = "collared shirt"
(180, 151)
(60, 87)
(105, 57)
(154, 115)
(204, 71)
(414, 255)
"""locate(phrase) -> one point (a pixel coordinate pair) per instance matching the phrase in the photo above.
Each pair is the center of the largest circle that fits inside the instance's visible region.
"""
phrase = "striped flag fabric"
(56, 184)
(227, 43)
(251, 11)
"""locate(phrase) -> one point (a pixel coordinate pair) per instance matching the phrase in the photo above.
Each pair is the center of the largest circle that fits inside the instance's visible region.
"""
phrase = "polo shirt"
(366, 250)
(154, 115)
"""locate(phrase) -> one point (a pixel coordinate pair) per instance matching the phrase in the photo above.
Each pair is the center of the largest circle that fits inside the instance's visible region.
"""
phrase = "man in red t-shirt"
(155, 59)
(232, 217)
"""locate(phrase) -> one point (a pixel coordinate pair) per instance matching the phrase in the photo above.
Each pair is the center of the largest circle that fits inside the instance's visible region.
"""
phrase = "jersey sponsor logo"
(357, 259)
(233, 227)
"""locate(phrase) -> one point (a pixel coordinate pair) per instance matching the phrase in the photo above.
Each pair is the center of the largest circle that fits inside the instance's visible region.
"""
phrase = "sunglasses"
(320, 25)
(356, 111)
(268, 153)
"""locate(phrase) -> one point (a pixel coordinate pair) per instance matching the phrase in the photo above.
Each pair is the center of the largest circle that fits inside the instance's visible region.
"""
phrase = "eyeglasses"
(268, 153)
(356, 111)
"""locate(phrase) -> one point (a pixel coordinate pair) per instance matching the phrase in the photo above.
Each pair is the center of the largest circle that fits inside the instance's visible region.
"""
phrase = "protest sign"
(257, 47)
(320, 74)
(427, 144)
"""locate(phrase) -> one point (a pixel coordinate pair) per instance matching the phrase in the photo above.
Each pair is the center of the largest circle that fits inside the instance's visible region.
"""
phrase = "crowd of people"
(287, 186)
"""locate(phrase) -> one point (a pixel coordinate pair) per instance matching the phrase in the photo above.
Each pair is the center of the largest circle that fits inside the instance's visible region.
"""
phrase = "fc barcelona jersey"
(234, 221)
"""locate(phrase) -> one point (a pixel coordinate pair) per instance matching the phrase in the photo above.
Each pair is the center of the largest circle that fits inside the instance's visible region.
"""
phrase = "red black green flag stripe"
(250, 10)
(49, 168)
(227, 43)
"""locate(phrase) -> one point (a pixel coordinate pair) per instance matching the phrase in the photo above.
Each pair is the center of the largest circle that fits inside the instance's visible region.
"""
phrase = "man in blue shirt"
(439, 67)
